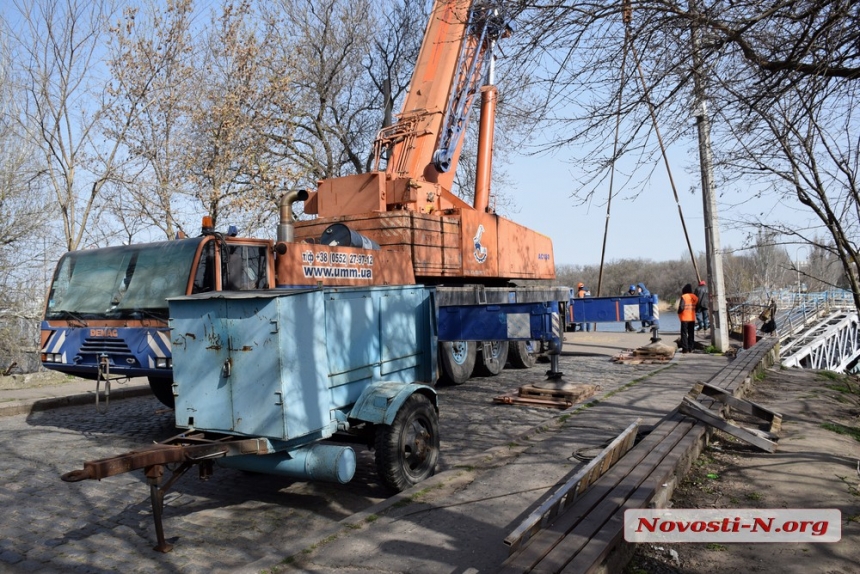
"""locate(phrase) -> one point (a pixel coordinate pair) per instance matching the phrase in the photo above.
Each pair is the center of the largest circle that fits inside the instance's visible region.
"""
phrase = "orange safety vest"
(687, 307)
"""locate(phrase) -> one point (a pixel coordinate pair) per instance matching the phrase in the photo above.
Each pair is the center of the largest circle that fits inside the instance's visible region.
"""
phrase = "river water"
(668, 323)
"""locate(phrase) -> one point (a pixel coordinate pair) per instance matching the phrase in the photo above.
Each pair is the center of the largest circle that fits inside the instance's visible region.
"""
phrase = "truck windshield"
(121, 282)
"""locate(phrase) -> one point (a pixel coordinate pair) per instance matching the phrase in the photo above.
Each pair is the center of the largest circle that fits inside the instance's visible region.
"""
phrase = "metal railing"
(791, 311)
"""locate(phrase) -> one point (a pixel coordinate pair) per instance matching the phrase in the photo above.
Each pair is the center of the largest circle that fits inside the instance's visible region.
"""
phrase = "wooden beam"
(697, 411)
(572, 488)
(743, 405)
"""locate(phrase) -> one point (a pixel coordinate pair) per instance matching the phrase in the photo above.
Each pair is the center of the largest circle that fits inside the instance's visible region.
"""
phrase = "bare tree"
(151, 59)
(24, 228)
(781, 78)
(229, 164)
(58, 53)
(338, 111)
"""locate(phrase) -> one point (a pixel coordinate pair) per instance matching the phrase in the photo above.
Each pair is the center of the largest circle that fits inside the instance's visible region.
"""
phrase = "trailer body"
(289, 365)
(611, 309)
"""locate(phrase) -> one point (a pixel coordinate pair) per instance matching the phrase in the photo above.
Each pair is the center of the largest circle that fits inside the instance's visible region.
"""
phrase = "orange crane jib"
(409, 204)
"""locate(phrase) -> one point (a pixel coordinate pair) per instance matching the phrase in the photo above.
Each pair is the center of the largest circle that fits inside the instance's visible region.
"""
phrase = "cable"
(647, 98)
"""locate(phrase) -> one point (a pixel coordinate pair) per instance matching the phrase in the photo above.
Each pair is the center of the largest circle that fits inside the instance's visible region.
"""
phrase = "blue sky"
(647, 227)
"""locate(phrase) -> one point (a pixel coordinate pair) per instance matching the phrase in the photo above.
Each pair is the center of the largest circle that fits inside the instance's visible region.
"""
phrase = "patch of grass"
(753, 496)
(853, 432)
(712, 350)
(402, 503)
(852, 518)
(704, 460)
(372, 518)
(840, 388)
(420, 493)
(717, 547)
(830, 375)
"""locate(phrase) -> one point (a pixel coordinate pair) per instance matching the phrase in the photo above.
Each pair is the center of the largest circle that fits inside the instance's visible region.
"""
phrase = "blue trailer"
(611, 309)
(286, 381)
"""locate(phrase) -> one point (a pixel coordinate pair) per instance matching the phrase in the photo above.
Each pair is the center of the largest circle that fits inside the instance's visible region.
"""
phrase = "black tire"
(458, 360)
(162, 388)
(407, 450)
(523, 354)
(492, 357)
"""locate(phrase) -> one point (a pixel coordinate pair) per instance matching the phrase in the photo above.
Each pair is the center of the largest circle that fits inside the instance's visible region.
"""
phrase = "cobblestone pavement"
(232, 519)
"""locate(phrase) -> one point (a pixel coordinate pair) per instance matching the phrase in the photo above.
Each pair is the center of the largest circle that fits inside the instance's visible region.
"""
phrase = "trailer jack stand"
(104, 375)
(154, 474)
(553, 372)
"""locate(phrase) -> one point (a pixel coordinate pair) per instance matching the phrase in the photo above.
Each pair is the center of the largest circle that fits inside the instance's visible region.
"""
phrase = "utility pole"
(716, 285)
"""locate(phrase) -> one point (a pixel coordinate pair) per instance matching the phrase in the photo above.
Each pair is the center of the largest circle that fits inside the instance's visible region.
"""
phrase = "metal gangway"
(818, 331)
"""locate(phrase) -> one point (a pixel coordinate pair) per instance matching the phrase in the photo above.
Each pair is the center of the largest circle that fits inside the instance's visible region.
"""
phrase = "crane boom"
(410, 202)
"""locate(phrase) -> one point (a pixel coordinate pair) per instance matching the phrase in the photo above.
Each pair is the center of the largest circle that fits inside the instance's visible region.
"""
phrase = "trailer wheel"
(492, 357)
(162, 388)
(458, 360)
(407, 450)
(523, 354)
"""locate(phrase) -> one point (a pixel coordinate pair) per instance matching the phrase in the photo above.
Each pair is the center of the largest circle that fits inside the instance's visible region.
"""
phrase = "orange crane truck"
(106, 314)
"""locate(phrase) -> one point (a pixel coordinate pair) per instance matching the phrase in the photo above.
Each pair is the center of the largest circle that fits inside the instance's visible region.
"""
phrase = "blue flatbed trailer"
(611, 309)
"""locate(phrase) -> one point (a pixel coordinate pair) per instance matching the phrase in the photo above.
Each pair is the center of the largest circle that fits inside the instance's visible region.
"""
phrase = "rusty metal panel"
(200, 364)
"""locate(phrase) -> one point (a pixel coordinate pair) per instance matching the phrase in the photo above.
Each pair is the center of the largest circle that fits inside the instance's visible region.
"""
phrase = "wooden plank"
(570, 489)
(576, 538)
(544, 540)
(607, 535)
(589, 559)
(743, 405)
(693, 409)
(516, 399)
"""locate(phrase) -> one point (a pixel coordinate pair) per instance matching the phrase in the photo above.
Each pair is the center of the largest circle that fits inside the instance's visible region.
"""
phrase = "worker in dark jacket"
(703, 320)
(628, 325)
(687, 316)
(642, 291)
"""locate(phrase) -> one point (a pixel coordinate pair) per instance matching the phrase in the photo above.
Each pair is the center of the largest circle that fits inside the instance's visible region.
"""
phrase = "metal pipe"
(285, 207)
(484, 163)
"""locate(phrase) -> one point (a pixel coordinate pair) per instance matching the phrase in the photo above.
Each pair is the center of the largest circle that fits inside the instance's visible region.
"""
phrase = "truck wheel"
(492, 357)
(458, 360)
(162, 388)
(523, 354)
(407, 450)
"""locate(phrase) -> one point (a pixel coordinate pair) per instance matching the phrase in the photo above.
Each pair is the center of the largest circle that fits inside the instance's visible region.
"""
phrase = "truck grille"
(106, 345)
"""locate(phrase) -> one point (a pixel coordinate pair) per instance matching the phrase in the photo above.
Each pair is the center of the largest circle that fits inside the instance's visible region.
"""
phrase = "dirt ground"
(817, 465)
(40, 379)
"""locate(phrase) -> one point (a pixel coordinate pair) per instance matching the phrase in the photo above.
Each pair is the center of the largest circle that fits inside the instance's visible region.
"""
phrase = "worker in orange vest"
(687, 316)
(582, 292)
